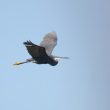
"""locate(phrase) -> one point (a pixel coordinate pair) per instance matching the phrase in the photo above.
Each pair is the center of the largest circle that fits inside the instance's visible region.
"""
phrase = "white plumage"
(49, 42)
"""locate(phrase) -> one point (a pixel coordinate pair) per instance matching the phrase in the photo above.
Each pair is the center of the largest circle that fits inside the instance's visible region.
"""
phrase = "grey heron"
(42, 54)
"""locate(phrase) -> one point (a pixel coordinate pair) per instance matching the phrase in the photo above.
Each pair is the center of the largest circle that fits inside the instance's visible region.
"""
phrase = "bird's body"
(39, 54)
(42, 54)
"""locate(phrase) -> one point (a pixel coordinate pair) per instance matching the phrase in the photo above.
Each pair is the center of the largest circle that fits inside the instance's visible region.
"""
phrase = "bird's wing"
(35, 50)
(49, 42)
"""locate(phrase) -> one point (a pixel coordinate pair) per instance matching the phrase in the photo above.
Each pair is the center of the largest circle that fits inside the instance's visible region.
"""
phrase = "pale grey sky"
(80, 83)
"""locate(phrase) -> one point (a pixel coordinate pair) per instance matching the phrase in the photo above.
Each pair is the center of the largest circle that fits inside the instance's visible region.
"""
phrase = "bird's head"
(57, 59)
(55, 62)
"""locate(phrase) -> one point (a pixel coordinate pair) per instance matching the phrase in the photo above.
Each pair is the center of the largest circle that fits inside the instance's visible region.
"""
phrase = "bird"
(42, 53)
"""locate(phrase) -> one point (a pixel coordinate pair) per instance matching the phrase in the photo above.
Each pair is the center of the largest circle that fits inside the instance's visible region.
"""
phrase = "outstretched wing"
(49, 42)
(35, 50)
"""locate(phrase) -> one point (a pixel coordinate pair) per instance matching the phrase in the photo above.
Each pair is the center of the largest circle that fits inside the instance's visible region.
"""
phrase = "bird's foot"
(17, 63)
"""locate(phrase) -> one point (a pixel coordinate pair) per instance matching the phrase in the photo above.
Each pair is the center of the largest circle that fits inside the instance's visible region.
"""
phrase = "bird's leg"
(30, 60)
(34, 61)
(19, 63)
(27, 61)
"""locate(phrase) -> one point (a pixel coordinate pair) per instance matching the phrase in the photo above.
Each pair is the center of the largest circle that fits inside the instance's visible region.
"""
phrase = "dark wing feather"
(39, 54)
(35, 50)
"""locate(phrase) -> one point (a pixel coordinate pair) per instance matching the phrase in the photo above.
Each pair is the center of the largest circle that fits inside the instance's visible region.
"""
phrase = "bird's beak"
(58, 58)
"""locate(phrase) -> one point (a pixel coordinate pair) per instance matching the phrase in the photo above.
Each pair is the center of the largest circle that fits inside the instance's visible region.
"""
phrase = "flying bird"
(42, 54)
